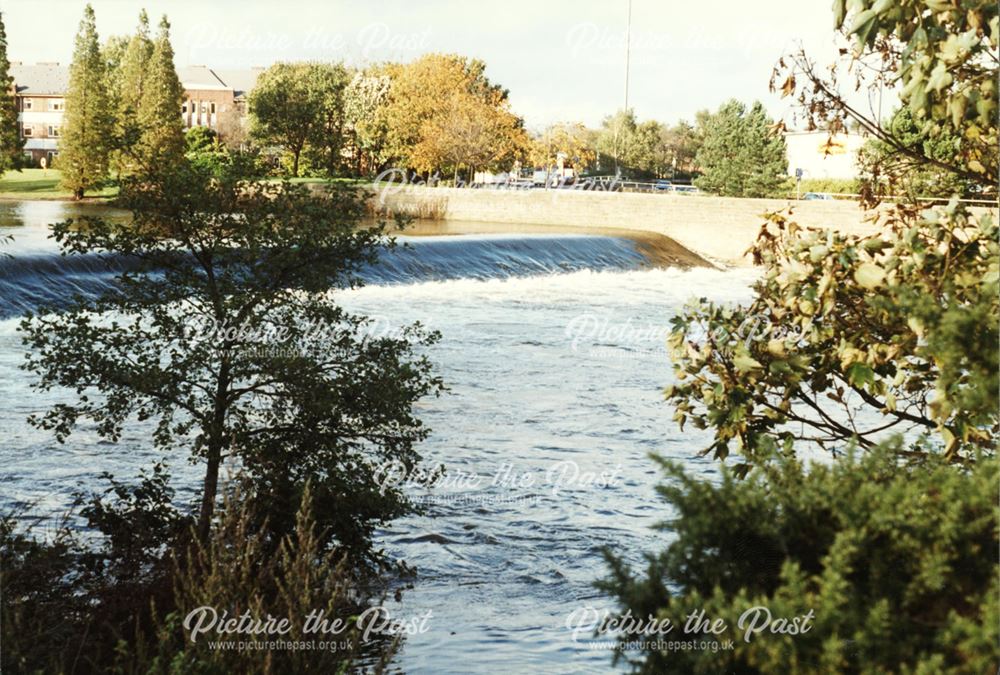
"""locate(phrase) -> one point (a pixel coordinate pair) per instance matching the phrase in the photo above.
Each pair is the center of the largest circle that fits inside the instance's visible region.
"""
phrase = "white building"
(819, 155)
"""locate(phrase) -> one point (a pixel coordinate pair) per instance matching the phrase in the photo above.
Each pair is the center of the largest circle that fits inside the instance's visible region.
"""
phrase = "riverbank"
(44, 185)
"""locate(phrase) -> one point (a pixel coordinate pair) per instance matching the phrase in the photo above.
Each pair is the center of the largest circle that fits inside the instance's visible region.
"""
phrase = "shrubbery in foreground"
(118, 605)
(897, 564)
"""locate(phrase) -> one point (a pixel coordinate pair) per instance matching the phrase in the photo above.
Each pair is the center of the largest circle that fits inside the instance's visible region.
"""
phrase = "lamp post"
(628, 38)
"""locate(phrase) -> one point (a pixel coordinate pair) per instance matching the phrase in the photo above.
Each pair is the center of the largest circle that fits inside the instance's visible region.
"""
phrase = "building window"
(26, 131)
(27, 104)
(211, 108)
(53, 131)
(57, 105)
(184, 108)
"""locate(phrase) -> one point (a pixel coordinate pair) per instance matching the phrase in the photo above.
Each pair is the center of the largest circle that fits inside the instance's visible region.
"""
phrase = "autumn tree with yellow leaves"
(444, 114)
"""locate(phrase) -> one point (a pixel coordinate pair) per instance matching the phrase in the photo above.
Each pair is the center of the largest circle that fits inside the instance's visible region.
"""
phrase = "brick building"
(215, 99)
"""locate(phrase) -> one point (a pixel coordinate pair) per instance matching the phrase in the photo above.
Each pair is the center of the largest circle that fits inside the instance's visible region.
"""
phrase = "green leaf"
(859, 374)
(869, 275)
(745, 363)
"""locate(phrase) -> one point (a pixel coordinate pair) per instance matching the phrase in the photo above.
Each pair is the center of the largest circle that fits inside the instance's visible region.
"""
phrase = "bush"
(849, 186)
(897, 563)
(118, 605)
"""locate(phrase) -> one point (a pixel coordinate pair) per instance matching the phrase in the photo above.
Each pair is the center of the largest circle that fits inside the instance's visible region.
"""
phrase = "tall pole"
(628, 36)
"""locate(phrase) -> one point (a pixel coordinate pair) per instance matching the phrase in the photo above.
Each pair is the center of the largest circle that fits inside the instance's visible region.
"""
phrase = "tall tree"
(427, 91)
(129, 61)
(740, 155)
(86, 130)
(10, 136)
(161, 141)
(365, 101)
(285, 109)
(329, 81)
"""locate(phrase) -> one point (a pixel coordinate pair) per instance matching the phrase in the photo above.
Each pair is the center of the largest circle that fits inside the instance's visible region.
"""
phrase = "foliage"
(887, 171)
(897, 564)
(902, 325)
(449, 94)
(741, 156)
(365, 99)
(678, 146)
(847, 186)
(568, 141)
(229, 339)
(128, 60)
(942, 58)
(117, 604)
(648, 149)
(200, 139)
(161, 130)
(85, 138)
(294, 104)
(624, 145)
(330, 80)
(10, 132)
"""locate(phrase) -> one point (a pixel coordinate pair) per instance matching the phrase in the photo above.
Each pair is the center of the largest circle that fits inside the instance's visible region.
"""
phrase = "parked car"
(811, 196)
(663, 186)
(686, 189)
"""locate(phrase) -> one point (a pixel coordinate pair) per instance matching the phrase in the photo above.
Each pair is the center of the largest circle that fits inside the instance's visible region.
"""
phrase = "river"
(552, 349)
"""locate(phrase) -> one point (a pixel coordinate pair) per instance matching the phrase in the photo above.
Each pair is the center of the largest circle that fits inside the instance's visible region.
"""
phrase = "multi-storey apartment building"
(215, 99)
(39, 94)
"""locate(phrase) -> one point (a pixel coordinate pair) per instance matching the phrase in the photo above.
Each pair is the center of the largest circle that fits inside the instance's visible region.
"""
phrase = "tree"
(940, 56)
(286, 109)
(678, 147)
(161, 139)
(901, 324)
(365, 99)
(886, 170)
(417, 111)
(568, 141)
(85, 137)
(228, 336)
(741, 156)
(11, 142)
(629, 146)
(128, 65)
(329, 81)
(847, 340)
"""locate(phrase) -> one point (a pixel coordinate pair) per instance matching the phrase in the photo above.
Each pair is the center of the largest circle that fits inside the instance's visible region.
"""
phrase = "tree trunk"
(78, 194)
(209, 490)
(216, 443)
(295, 163)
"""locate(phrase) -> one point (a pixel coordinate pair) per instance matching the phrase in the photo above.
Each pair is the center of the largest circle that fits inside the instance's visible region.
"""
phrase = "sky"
(561, 60)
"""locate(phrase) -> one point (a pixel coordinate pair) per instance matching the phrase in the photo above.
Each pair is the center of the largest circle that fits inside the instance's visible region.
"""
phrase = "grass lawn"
(41, 184)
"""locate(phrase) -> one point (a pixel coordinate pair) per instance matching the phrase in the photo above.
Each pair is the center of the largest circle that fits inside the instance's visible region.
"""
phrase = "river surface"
(552, 350)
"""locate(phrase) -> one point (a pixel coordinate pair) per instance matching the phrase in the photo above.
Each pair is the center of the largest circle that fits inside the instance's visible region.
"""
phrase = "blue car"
(663, 186)
(811, 196)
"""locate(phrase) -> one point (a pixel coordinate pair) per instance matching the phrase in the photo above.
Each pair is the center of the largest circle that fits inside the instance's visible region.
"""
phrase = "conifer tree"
(740, 156)
(131, 82)
(10, 138)
(159, 113)
(86, 131)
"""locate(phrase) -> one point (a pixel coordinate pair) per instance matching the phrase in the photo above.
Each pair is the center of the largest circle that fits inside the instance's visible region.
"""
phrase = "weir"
(718, 228)
(37, 278)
